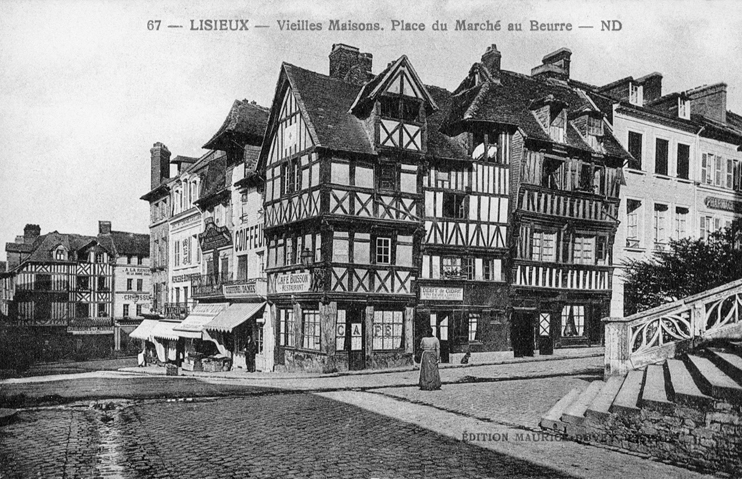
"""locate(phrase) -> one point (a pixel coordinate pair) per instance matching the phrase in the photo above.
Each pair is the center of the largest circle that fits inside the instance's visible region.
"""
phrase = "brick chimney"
(651, 86)
(554, 65)
(709, 101)
(160, 163)
(347, 63)
(491, 61)
(104, 227)
(30, 233)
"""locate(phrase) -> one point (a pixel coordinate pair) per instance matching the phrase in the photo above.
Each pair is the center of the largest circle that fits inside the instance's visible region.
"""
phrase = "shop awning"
(164, 330)
(235, 315)
(144, 330)
(193, 325)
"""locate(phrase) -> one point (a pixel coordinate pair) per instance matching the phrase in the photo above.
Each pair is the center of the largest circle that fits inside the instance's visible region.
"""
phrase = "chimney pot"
(30, 233)
(555, 64)
(491, 60)
(104, 227)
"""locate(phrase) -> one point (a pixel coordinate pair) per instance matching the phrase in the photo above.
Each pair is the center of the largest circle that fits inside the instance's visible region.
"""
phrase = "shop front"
(168, 346)
(466, 318)
(231, 328)
(198, 345)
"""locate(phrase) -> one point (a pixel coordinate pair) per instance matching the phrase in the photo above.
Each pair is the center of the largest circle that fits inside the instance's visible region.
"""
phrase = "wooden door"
(355, 332)
(522, 333)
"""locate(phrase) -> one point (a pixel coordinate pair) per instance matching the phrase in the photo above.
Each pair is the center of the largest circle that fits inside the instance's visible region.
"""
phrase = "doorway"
(522, 332)
(440, 322)
(354, 343)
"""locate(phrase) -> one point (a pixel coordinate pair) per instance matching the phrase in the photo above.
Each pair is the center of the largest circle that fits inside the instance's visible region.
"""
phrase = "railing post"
(617, 347)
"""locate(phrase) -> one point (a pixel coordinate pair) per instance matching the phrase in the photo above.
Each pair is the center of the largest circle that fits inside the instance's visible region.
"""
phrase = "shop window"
(543, 246)
(573, 320)
(474, 319)
(311, 331)
(383, 250)
(340, 331)
(286, 320)
(635, 148)
(388, 327)
(259, 340)
(455, 206)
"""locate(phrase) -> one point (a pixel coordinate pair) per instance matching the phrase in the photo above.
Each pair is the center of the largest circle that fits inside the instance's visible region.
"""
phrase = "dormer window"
(557, 128)
(684, 108)
(595, 126)
(636, 94)
(400, 108)
(59, 254)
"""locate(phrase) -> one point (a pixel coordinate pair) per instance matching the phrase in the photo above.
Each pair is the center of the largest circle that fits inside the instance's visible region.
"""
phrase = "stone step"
(731, 364)
(599, 408)
(683, 389)
(712, 380)
(654, 395)
(575, 412)
(627, 399)
(552, 419)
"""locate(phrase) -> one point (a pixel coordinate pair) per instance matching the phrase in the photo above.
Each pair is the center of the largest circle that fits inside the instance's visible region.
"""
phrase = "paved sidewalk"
(577, 460)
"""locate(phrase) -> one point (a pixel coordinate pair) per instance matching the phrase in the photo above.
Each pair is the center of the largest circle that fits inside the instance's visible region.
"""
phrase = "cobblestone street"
(365, 426)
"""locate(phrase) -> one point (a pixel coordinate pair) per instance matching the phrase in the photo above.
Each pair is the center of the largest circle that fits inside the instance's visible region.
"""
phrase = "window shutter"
(704, 163)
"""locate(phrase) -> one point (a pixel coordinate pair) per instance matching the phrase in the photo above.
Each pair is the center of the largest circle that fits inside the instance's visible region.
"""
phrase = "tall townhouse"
(684, 174)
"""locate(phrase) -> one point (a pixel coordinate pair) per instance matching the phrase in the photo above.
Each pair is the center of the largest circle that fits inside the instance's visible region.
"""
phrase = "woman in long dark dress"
(430, 378)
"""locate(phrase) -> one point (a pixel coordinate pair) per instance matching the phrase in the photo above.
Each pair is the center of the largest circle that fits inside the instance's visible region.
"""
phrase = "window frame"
(632, 138)
(383, 251)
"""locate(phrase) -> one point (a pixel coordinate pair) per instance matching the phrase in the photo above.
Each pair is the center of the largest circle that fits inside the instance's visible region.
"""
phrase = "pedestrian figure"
(250, 350)
(142, 358)
(430, 378)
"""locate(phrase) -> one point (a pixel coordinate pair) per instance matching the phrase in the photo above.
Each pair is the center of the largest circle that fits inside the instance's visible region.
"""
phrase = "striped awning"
(144, 330)
(233, 316)
(164, 330)
(192, 327)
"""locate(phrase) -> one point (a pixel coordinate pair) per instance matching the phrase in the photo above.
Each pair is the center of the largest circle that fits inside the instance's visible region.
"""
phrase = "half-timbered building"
(565, 175)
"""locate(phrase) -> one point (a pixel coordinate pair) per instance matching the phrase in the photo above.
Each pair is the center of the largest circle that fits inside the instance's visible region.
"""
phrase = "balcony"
(568, 204)
(175, 310)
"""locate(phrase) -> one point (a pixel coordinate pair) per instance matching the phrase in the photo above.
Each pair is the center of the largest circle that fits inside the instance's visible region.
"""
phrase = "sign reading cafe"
(293, 282)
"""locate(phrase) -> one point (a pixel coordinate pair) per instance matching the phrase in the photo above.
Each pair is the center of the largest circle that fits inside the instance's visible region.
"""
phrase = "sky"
(86, 88)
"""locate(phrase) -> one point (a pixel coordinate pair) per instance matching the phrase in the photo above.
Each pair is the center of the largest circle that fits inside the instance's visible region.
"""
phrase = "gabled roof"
(45, 245)
(380, 83)
(124, 243)
(245, 124)
(325, 104)
(510, 103)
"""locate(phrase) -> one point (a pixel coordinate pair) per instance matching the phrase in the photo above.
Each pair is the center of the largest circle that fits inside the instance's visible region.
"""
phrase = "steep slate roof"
(245, 123)
(509, 102)
(124, 243)
(326, 102)
(45, 245)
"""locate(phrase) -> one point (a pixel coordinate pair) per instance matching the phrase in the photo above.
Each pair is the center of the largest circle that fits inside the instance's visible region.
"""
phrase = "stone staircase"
(686, 410)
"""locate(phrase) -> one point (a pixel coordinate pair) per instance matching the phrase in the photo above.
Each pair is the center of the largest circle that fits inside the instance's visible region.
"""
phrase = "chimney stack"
(347, 63)
(554, 65)
(104, 227)
(30, 233)
(709, 101)
(491, 61)
(160, 163)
